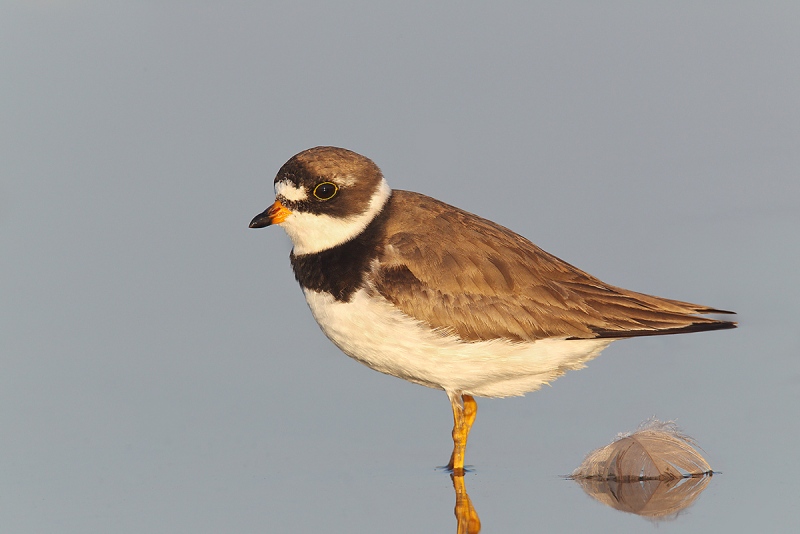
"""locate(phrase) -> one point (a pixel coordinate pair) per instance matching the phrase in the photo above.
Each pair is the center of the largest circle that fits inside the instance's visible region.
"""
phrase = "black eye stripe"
(325, 190)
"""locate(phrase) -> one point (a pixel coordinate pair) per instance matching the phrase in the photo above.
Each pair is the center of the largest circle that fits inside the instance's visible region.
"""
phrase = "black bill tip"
(261, 220)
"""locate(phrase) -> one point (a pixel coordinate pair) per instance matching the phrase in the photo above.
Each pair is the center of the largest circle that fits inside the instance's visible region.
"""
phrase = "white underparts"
(372, 331)
(314, 232)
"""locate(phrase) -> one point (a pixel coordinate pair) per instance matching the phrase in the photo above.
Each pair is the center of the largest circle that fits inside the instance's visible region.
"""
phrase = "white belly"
(370, 330)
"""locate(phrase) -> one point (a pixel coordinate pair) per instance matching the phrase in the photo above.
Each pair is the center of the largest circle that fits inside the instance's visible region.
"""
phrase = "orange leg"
(464, 411)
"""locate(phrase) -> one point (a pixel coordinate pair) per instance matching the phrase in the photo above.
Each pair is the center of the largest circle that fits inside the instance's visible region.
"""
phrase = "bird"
(421, 290)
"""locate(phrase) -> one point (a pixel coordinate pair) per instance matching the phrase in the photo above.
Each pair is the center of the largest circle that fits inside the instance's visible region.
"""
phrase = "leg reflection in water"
(466, 516)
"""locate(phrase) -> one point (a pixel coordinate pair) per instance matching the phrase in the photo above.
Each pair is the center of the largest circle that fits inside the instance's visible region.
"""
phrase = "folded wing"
(489, 283)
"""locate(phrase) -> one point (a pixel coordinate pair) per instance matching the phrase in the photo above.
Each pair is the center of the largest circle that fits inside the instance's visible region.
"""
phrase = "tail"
(647, 315)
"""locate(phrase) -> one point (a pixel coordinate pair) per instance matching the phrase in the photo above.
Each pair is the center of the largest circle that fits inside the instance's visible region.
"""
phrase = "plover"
(424, 291)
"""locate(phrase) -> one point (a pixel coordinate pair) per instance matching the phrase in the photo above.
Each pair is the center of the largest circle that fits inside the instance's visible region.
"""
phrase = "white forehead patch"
(289, 191)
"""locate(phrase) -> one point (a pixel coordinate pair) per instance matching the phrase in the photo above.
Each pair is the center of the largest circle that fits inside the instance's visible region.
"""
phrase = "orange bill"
(275, 214)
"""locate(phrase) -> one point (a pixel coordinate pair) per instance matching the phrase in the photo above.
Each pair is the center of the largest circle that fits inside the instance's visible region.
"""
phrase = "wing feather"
(483, 281)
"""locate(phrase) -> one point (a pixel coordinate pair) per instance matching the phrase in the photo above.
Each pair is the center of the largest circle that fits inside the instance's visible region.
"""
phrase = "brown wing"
(469, 276)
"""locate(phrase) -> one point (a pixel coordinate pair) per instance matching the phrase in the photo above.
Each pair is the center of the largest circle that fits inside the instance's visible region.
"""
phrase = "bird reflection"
(466, 516)
(655, 472)
(654, 499)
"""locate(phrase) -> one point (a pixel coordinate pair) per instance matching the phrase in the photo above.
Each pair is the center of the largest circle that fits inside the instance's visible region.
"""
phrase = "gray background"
(159, 369)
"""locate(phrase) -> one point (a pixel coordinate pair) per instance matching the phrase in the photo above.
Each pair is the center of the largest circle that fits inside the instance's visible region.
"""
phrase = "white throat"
(312, 232)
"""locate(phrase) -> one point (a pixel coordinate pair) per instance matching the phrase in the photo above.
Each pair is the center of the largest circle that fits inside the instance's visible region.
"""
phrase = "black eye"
(325, 190)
